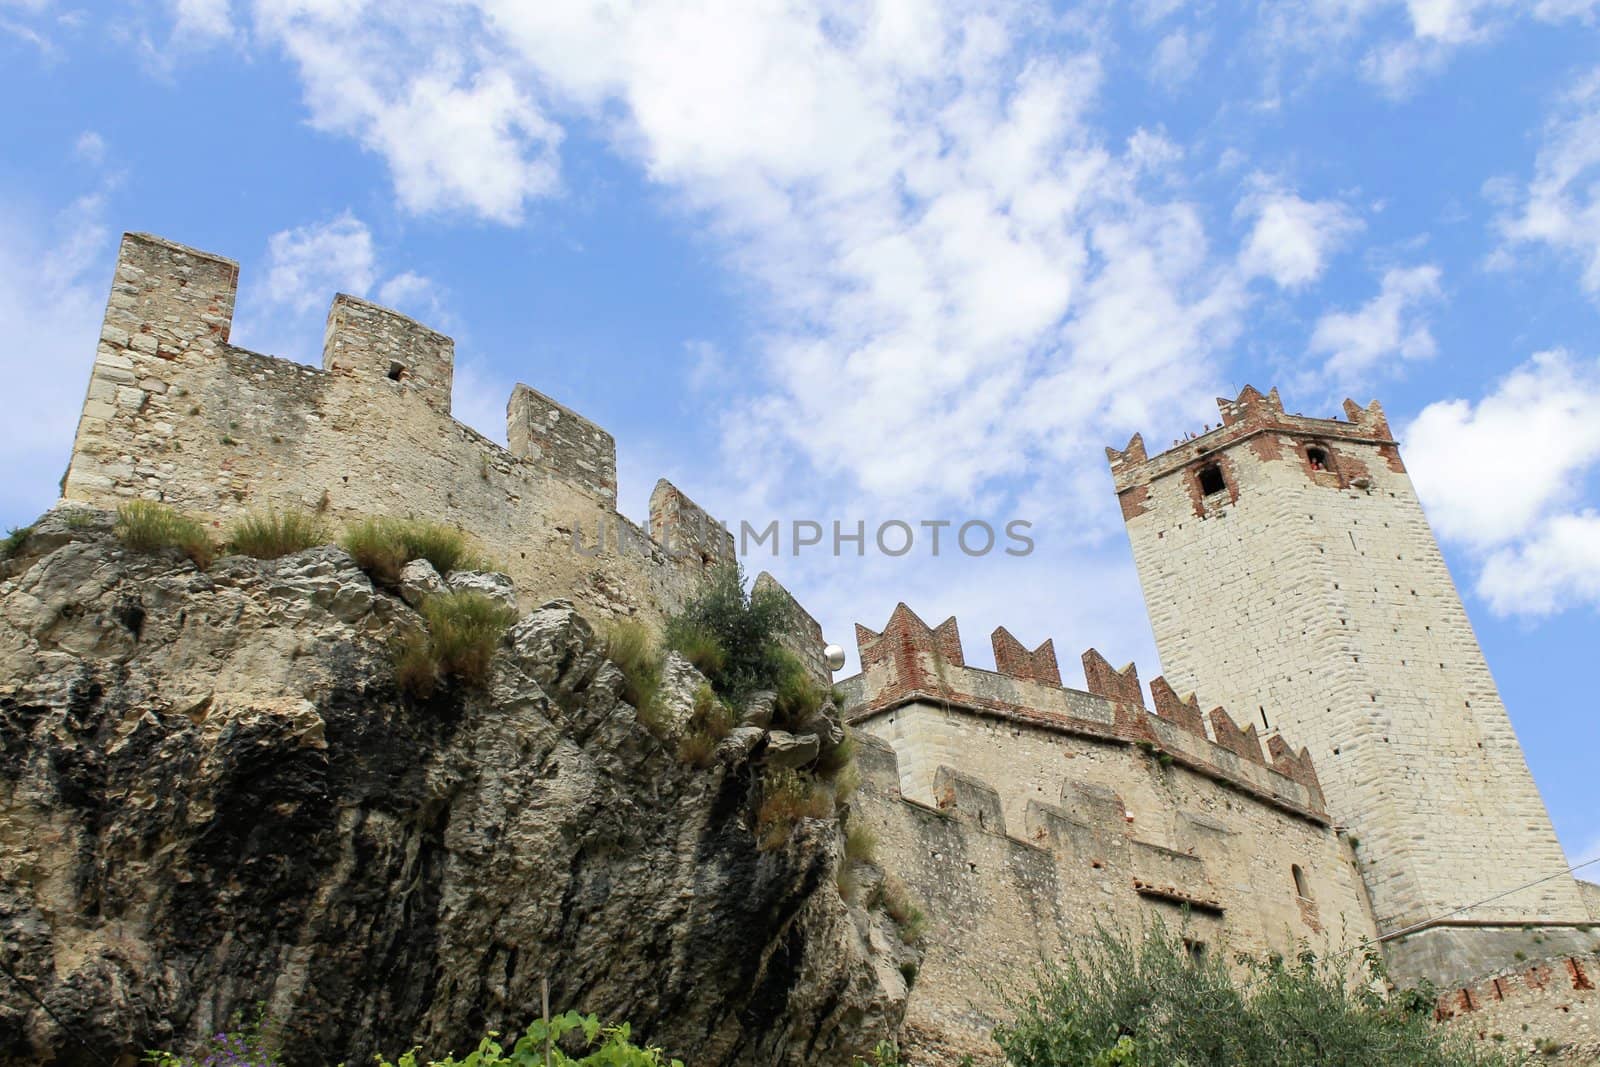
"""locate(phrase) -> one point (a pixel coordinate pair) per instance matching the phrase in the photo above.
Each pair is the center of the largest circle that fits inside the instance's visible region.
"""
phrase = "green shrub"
(1148, 999)
(146, 526)
(630, 647)
(836, 760)
(786, 798)
(606, 1046)
(383, 546)
(464, 630)
(897, 903)
(277, 533)
(731, 635)
(14, 540)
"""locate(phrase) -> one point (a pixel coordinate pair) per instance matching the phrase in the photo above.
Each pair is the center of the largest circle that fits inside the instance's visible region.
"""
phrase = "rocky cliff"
(212, 796)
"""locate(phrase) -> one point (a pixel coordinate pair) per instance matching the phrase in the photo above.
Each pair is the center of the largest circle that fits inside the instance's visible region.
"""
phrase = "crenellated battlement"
(910, 662)
(177, 413)
(1259, 418)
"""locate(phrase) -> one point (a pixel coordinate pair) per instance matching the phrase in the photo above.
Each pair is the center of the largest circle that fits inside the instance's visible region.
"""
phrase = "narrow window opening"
(1264, 721)
(1318, 459)
(1196, 949)
(1302, 889)
(1211, 480)
(397, 370)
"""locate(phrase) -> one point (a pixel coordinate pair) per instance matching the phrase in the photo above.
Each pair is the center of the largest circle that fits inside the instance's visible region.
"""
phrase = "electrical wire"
(1485, 900)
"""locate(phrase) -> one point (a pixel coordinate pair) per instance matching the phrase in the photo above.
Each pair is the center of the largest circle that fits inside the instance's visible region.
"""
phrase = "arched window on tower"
(1211, 480)
(1318, 459)
(1302, 888)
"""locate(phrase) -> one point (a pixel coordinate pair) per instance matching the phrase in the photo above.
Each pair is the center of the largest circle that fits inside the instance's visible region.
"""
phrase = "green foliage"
(146, 526)
(787, 797)
(1149, 1001)
(709, 722)
(604, 1046)
(731, 634)
(14, 540)
(383, 546)
(896, 901)
(464, 630)
(885, 1055)
(277, 533)
(78, 518)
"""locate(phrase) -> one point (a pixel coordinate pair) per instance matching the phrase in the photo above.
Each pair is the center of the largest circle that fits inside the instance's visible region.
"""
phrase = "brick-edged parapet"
(1259, 420)
(1013, 658)
(911, 662)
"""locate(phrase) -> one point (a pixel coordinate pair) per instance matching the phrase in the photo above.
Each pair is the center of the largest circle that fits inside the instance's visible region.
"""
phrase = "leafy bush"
(464, 630)
(14, 540)
(606, 1046)
(786, 798)
(277, 533)
(1151, 1000)
(383, 546)
(731, 634)
(146, 526)
(629, 646)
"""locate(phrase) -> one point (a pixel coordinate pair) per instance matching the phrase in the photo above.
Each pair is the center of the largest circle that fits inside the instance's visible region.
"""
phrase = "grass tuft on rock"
(630, 646)
(709, 722)
(383, 546)
(787, 797)
(146, 526)
(275, 534)
(464, 630)
(897, 903)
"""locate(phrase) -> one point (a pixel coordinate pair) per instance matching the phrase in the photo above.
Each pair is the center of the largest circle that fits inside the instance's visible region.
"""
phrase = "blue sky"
(908, 259)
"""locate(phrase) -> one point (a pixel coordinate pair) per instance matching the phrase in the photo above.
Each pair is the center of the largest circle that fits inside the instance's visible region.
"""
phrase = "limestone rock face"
(211, 795)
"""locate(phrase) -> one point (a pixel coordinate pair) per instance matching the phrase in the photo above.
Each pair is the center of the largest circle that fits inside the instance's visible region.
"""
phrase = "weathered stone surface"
(498, 586)
(419, 581)
(675, 699)
(757, 709)
(740, 743)
(791, 750)
(211, 795)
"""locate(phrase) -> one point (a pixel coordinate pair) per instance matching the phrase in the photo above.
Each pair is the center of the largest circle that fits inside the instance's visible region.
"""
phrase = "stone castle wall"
(1021, 814)
(1289, 571)
(176, 413)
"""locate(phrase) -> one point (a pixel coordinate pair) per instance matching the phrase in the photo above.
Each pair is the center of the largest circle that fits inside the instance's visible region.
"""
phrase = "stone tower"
(1290, 573)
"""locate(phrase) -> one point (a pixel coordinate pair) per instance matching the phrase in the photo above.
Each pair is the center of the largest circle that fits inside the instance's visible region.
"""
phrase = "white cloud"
(1388, 327)
(408, 81)
(53, 279)
(1313, 35)
(202, 20)
(1560, 208)
(90, 147)
(1505, 478)
(308, 264)
(1292, 238)
(1556, 567)
(1177, 56)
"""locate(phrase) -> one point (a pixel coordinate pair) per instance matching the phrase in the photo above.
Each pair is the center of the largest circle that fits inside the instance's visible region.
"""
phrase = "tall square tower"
(1289, 572)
